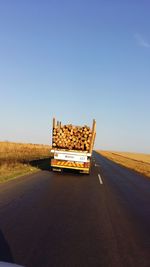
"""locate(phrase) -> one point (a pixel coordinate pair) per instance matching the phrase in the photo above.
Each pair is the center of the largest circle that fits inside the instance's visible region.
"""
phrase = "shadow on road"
(43, 164)
(5, 252)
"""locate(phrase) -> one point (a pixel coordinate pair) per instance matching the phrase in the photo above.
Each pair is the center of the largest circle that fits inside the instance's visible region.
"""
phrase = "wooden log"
(72, 137)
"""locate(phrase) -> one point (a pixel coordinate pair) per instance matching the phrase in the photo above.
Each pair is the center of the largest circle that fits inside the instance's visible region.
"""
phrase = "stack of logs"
(72, 137)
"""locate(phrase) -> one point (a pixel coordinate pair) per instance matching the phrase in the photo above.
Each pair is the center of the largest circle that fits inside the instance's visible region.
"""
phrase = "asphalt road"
(52, 219)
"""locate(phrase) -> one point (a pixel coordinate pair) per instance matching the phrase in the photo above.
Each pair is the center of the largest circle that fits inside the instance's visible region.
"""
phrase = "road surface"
(52, 219)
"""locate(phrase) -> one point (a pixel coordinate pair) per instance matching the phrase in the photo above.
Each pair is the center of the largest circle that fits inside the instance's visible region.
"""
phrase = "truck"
(72, 147)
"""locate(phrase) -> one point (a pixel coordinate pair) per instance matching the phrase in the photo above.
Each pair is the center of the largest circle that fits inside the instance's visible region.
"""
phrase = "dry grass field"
(135, 161)
(16, 159)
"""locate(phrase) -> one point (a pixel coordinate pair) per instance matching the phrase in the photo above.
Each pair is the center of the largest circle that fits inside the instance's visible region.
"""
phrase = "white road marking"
(100, 179)
(97, 165)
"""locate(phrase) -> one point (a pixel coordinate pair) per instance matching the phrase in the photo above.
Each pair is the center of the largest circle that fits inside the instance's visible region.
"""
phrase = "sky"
(76, 60)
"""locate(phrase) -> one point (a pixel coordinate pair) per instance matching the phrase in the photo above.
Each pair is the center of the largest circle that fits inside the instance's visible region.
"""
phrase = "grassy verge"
(15, 170)
(20, 159)
(134, 161)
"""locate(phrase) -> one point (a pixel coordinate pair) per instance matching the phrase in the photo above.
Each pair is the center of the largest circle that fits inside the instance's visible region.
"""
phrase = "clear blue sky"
(76, 60)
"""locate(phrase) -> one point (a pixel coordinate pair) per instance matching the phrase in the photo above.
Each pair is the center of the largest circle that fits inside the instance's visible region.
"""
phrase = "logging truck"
(72, 147)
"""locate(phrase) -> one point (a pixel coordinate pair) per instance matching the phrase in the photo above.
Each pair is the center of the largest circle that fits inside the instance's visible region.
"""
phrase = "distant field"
(16, 159)
(135, 161)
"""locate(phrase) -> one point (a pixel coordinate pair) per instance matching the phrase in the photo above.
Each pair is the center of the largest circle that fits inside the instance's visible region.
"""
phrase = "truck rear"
(72, 147)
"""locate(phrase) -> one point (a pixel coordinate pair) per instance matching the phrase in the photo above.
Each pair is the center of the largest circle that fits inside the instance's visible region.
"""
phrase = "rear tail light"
(53, 161)
(86, 164)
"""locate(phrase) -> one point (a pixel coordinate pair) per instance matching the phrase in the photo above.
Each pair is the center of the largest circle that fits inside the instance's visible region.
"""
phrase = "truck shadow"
(5, 252)
(42, 164)
(68, 172)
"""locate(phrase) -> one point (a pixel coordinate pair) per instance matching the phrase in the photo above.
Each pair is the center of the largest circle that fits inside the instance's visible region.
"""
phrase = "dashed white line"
(97, 165)
(100, 179)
